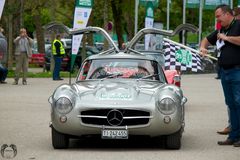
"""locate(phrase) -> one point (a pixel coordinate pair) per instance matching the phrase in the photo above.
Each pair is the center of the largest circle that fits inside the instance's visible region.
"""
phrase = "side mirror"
(50, 100)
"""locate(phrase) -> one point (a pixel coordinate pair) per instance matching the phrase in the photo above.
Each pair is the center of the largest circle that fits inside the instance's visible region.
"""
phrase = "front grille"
(129, 117)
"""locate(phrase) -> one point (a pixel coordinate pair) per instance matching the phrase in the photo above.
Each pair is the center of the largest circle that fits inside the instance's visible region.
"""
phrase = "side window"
(84, 71)
(161, 74)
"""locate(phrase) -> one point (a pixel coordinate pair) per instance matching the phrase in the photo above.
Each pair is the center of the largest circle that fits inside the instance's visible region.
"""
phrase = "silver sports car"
(117, 95)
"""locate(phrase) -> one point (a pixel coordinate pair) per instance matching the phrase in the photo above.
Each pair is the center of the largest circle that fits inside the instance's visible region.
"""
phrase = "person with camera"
(23, 51)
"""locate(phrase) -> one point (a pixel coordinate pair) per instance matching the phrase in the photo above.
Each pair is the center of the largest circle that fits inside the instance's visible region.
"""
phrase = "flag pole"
(200, 21)
(136, 17)
(168, 13)
(184, 21)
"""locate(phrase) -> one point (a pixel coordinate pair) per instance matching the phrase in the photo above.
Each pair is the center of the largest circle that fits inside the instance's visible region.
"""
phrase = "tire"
(173, 141)
(59, 140)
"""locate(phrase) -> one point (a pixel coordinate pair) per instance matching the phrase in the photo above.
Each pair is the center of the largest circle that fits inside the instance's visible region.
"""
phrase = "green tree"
(10, 21)
(36, 11)
(118, 16)
(33, 14)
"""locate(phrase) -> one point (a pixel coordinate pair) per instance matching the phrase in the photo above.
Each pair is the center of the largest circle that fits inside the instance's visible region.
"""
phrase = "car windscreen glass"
(120, 68)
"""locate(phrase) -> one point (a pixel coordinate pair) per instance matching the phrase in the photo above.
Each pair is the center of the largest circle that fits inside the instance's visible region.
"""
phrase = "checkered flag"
(180, 57)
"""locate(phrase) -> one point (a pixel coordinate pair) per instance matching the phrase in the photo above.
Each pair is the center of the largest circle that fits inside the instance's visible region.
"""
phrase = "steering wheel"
(99, 71)
(144, 70)
(141, 73)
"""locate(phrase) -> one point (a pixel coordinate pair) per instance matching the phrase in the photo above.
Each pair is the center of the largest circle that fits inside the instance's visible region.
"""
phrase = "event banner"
(192, 3)
(145, 2)
(208, 4)
(149, 19)
(148, 24)
(82, 13)
(84, 3)
(212, 4)
(2, 2)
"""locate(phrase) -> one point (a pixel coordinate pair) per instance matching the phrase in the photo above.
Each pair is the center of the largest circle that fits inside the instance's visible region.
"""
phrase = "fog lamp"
(63, 119)
(167, 119)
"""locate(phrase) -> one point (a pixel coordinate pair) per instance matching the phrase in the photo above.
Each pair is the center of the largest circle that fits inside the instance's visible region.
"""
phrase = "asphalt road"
(25, 115)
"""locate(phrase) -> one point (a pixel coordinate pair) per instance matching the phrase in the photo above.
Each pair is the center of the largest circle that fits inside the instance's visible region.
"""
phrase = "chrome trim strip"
(139, 117)
(89, 116)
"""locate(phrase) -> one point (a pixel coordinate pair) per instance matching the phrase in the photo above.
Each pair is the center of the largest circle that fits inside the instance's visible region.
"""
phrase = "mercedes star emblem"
(114, 117)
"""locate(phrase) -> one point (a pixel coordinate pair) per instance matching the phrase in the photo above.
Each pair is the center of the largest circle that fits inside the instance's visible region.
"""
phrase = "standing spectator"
(3, 57)
(228, 45)
(58, 52)
(23, 51)
(236, 13)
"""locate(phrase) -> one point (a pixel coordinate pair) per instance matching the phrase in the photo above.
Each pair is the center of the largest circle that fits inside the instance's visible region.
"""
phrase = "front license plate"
(114, 134)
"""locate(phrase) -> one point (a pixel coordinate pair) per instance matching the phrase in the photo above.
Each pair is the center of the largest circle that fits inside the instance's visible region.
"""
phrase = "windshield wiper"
(112, 75)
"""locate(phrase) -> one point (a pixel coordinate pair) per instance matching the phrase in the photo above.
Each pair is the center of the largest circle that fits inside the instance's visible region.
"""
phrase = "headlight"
(63, 105)
(166, 106)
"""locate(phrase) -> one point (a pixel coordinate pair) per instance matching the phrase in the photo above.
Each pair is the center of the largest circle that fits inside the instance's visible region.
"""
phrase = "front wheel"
(173, 141)
(59, 140)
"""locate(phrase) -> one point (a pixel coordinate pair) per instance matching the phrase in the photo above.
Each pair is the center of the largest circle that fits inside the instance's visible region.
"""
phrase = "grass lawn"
(41, 74)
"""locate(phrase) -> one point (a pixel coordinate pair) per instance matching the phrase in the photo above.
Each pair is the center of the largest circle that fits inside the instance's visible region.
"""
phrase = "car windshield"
(119, 68)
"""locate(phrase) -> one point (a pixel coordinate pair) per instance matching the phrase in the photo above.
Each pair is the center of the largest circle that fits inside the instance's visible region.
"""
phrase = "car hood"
(112, 90)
